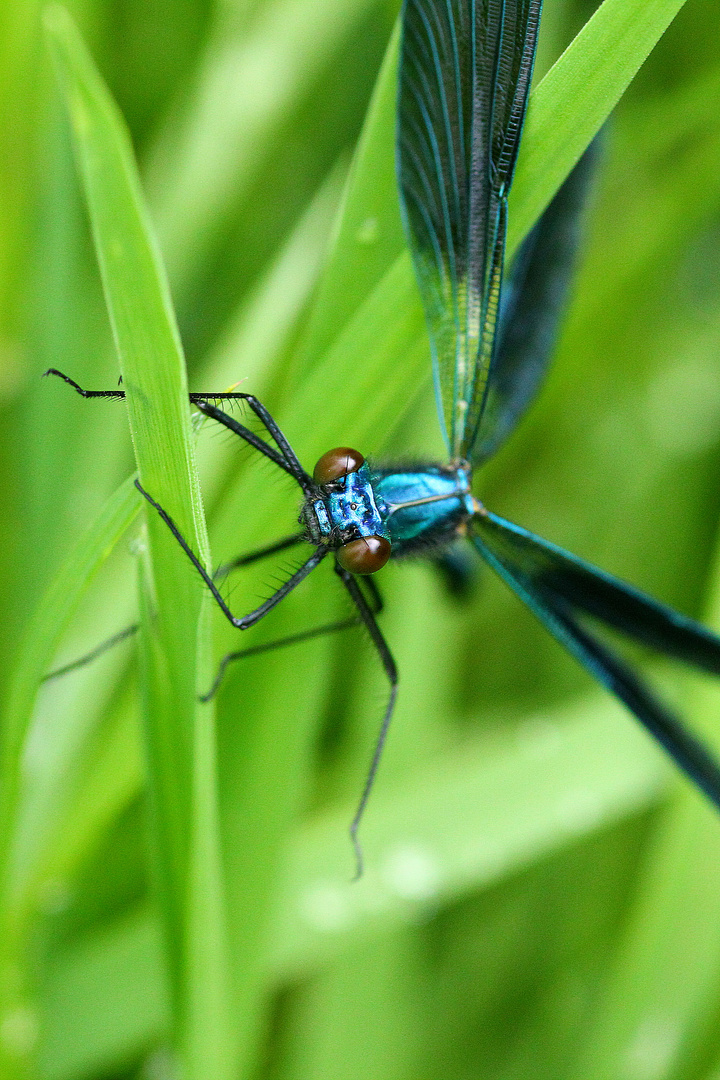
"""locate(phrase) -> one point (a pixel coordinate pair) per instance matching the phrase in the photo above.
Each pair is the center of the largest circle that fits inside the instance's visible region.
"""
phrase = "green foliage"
(541, 894)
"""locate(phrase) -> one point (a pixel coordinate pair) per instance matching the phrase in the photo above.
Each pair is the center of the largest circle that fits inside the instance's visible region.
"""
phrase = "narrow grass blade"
(660, 1001)
(587, 766)
(50, 619)
(368, 233)
(576, 97)
(41, 639)
(187, 856)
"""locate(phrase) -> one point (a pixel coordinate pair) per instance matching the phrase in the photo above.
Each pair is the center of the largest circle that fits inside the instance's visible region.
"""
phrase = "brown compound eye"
(364, 556)
(336, 464)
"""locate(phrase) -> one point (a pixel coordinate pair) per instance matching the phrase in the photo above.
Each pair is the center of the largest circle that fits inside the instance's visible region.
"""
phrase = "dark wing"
(557, 587)
(533, 302)
(465, 72)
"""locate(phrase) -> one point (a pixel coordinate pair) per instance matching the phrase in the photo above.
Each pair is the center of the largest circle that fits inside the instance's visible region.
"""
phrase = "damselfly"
(465, 72)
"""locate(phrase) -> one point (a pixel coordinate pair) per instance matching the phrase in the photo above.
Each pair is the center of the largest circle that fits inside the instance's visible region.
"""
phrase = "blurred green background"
(542, 894)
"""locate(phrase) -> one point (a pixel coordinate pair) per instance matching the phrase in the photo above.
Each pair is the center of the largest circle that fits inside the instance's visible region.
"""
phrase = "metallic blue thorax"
(392, 503)
(351, 511)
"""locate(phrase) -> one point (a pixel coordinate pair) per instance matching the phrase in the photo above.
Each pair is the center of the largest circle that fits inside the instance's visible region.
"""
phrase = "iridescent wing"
(565, 592)
(465, 72)
(532, 304)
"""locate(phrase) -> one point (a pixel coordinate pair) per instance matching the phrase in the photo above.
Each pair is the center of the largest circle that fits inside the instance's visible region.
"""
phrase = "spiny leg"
(243, 560)
(386, 658)
(457, 572)
(254, 616)
(269, 646)
(260, 553)
(122, 635)
(375, 598)
(285, 460)
(117, 394)
(294, 639)
(253, 440)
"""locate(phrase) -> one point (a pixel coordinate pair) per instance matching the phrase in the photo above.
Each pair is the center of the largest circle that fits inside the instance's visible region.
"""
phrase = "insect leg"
(269, 646)
(290, 465)
(252, 617)
(244, 560)
(295, 639)
(286, 459)
(375, 598)
(117, 394)
(260, 553)
(457, 572)
(368, 618)
(88, 658)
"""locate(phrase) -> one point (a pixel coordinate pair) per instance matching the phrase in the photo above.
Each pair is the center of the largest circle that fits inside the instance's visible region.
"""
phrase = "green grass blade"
(180, 736)
(587, 766)
(50, 618)
(576, 97)
(368, 234)
(661, 998)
